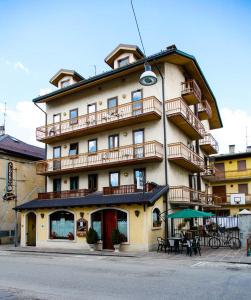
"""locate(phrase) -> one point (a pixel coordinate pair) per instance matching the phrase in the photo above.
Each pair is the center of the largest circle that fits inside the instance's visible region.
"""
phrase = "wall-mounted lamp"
(42, 215)
(125, 173)
(65, 146)
(137, 213)
(81, 215)
(125, 133)
(100, 102)
(65, 114)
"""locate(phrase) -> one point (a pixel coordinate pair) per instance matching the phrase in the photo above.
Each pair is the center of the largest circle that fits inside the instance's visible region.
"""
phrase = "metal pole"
(16, 225)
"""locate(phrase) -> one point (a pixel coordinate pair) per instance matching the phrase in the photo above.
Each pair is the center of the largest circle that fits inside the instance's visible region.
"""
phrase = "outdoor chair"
(189, 247)
(161, 244)
(196, 245)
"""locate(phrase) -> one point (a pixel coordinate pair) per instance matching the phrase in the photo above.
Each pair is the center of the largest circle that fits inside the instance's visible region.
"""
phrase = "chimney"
(248, 149)
(231, 149)
(171, 47)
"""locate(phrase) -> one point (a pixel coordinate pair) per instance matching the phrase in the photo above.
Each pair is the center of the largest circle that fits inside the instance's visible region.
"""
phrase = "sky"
(37, 38)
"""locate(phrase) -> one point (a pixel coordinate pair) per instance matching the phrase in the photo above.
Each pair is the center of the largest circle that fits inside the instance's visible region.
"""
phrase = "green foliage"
(116, 237)
(91, 236)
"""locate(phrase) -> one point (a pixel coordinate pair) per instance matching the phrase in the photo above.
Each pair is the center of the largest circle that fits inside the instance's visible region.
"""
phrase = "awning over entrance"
(189, 214)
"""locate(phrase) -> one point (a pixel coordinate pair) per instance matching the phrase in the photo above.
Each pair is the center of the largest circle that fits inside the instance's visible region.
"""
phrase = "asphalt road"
(36, 276)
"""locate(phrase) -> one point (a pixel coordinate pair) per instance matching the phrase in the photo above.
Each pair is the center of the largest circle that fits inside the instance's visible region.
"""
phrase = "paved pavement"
(26, 275)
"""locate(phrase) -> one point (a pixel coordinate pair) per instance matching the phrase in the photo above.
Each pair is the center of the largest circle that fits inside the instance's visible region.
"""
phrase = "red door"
(109, 223)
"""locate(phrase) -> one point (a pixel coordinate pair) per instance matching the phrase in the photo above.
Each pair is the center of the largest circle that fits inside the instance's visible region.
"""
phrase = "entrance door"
(109, 223)
(31, 229)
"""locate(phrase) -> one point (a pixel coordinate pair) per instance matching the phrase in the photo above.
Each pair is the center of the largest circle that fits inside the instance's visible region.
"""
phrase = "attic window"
(65, 83)
(123, 62)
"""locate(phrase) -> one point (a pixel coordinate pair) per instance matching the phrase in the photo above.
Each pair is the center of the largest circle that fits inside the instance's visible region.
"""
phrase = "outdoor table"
(176, 243)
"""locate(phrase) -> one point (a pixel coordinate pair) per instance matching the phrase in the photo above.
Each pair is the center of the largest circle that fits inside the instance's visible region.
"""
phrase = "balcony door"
(91, 110)
(93, 182)
(137, 105)
(220, 170)
(138, 140)
(112, 105)
(220, 191)
(56, 158)
(56, 128)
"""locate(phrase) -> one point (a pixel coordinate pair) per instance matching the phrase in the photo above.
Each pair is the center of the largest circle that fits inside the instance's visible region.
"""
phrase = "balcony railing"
(209, 173)
(183, 194)
(191, 92)
(107, 158)
(231, 175)
(225, 199)
(122, 115)
(204, 110)
(209, 144)
(64, 194)
(182, 116)
(185, 157)
(127, 189)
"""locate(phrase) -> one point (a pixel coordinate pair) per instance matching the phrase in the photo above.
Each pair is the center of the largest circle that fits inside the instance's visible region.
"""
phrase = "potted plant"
(91, 238)
(116, 239)
(70, 236)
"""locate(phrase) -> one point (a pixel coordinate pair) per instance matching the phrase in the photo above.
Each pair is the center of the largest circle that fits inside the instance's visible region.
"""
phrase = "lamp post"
(16, 225)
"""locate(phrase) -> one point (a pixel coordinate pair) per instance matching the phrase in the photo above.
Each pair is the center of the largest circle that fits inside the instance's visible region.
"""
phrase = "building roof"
(12, 146)
(98, 199)
(228, 156)
(63, 72)
(171, 54)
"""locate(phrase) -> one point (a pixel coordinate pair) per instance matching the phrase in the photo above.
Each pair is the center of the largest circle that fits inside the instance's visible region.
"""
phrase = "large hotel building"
(120, 154)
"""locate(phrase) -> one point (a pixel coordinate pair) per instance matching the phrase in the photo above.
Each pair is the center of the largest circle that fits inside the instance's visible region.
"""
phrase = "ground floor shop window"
(62, 225)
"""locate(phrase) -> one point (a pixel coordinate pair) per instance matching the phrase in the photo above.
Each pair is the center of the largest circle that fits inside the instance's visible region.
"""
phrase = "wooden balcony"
(208, 174)
(103, 159)
(147, 109)
(204, 110)
(181, 155)
(126, 189)
(183, 117)
(209, 144)
(191, 92)
(235, 175)
(185, 195)
(225, 199)
(64, 194)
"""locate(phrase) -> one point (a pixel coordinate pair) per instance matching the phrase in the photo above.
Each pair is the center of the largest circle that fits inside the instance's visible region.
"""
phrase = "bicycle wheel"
(214, 243)
(234, 243)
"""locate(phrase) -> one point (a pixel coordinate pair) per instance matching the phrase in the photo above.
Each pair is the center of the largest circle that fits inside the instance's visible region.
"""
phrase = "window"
(73, 116)
(55, 129)
(56, 118)
(243, 188)
(74, 183)
(93, 182)
(65, 83)
(57, 185)
(113, 141)
(123, 62)
(92, 146)
(73, 149)
(112, 102)
(114, 179)
(56, 158)
(156, 218)
(139, 178)
(241, 165)
(91, 108)
(138, 140)
(96, 219)
(122, 224)
(62, 225)
(137, 105)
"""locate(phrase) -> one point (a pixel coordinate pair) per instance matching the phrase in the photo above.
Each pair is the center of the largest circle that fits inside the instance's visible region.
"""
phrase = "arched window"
(62, 225)
(156, 218)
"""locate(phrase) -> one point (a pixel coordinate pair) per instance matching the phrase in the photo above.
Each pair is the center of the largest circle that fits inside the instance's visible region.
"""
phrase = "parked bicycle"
(216, 242)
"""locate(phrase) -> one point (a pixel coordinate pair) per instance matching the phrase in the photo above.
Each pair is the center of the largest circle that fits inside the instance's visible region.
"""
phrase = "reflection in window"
(73, 116)
(122, 224)
(139, 178)
(156, 217)
(123, 62)
(114, 179)
(92, 146)
(137, 104)
(97, 223)
(73, 149)
(113, 141)
(62, 225)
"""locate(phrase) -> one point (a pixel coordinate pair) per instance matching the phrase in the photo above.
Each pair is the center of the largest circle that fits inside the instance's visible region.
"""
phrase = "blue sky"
(39, 37)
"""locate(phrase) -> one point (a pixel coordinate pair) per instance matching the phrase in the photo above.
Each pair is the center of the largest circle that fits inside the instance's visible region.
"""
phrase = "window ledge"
(61, 240)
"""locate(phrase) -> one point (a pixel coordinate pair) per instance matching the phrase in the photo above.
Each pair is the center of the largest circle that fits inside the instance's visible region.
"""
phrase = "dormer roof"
(123, 48)
(64, 72)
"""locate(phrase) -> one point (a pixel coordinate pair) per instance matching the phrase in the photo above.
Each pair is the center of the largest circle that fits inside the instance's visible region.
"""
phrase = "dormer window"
(65, 83)
(123, 62)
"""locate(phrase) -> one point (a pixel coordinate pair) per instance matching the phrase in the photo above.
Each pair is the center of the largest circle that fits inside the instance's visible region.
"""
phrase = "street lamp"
(148, 77)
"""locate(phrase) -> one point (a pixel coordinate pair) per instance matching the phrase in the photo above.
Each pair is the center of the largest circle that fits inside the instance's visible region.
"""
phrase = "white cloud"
(19, 66)
(44, 91)
(21, 122)
(236, 125)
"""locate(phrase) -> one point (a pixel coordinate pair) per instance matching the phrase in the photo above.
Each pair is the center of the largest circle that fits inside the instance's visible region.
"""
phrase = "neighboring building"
(115, 148)
(231, 183)
(23, 158)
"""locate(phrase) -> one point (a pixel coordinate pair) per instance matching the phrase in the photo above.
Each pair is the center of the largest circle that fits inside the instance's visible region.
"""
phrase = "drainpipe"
(45, 185)
(165, 148)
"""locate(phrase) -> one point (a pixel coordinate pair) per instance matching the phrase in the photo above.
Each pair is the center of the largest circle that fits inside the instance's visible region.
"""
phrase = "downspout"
(45, 185)
(165, 149)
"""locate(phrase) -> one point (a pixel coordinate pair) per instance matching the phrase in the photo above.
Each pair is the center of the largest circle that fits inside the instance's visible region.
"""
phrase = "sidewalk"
(207, 254)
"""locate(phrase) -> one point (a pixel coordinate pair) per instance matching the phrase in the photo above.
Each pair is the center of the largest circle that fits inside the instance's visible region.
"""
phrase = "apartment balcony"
(204, 110)
(185, 195)
(191, 92)
(209, 173)
(183, 117)
(147, 109)
(181, 155)
(223, 200)
(225, 176)
(127, 189)
(209, 144)
(64, 194)
(108, 158)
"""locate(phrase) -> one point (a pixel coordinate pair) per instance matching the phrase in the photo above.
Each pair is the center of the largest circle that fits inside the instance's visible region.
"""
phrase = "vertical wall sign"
(9, 177)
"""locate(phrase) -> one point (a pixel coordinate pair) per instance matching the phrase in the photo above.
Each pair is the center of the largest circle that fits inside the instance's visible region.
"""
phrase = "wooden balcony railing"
(225, 199)
(64, 194)
(182, 116)
(107, 158)
(209, 144)
(126, 114)
(126, 189)
(185, 157)
(183, 194)
(191, 92)
(231, 175)
(204, 110)
(212, 199)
